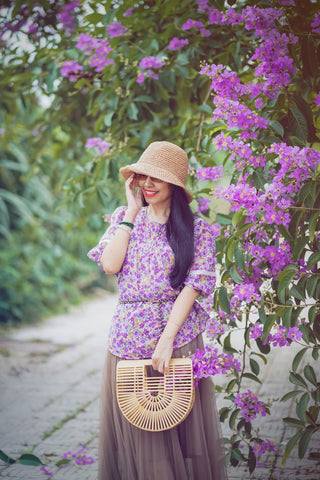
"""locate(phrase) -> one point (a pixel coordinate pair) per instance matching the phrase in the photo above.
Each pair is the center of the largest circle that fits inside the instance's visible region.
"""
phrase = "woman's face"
(155, 191)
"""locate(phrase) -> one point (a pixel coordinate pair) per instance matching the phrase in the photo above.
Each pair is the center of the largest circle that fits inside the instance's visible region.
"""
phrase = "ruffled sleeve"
(96, 252)
(202, 275)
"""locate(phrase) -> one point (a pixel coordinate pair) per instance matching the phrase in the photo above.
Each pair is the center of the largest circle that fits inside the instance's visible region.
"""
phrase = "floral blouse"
(145, 294)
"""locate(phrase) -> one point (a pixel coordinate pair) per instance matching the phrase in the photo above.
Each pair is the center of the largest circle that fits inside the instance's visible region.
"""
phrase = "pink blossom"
(317, 100)
(203, 204)
(151, 62)
(98, 143)
(72, 70)
(210, 173)
(315, 25)
(116, 30)
(176, 44)
(67, 16)
(250, 405)
(191, 24)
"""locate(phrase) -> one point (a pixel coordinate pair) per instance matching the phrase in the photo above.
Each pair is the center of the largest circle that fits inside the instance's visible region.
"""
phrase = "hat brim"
(156, 172)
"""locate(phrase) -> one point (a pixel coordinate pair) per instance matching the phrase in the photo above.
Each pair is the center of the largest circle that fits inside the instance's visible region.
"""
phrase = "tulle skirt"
(190, 451)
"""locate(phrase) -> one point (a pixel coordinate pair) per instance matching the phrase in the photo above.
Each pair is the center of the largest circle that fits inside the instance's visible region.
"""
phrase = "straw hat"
(162, 160)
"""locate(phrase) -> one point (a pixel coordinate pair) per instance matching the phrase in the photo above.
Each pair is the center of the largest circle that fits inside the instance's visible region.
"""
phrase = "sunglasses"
(143, 178)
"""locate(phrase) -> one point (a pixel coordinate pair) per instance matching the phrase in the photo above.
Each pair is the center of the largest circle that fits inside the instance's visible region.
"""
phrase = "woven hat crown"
(163, 160)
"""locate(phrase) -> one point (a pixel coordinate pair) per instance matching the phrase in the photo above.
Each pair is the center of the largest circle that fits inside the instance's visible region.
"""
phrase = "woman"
(164, 260)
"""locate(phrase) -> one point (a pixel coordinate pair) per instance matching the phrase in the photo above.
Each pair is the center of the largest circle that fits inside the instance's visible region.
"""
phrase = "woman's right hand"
(134, 199)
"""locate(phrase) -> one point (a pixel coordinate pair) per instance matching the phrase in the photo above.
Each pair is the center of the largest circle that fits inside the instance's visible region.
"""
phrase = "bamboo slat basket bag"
(155, 403)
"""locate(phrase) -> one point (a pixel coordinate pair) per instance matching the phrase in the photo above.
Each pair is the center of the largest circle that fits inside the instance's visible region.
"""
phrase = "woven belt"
(148, 300)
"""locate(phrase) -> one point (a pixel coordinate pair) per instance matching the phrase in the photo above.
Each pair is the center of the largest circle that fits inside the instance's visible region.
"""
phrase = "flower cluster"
(262, 447)
(203, 205)
(97, 48)
(244, 293)
(116, 30)
(282, 337)
(210, 173)
(315, 25)
(209, 362)
(239, 150)
(67, 16)
(237, 115)
(98, 143)
(274, 66)
(72, 70)
(250, 405)
(176, 44)
(149, 63)
(274, 257)
(317, 100)
(194, 24)
(215, 327)
(80, 457)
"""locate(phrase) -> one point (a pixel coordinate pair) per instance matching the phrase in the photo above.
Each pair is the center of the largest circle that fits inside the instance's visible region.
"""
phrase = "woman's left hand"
(162, 355)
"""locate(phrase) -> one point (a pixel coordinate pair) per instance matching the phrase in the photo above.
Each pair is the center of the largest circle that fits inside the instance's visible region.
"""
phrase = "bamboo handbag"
(155, 403)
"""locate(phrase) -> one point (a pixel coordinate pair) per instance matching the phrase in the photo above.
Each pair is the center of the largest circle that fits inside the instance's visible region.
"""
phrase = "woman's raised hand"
(134, 199)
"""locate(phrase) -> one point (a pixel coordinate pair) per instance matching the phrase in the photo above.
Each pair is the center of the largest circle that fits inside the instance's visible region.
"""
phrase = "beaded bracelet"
(129, 224)
(126, 229)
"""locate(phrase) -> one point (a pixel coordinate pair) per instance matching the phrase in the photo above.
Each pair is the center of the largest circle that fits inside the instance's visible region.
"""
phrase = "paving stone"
(49, 403)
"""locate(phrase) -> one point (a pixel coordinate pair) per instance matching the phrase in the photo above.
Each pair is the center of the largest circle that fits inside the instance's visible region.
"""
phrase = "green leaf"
(224, 300)
(293, 422)
(239, 258)
(236, 277)
(300, 244)
(289, 447)
(224, 413)
(297, 359)
(310, 375)
(277, 127)
(312, 285)
(254, 366)
(284, 278)
(133, 111)
(267, 328)
(5, 458)
(63, 461)
(302, 406)
(298, 124)
(29, 459)
(296, 379)
(252, 377)
(313, 225)
(304, 441)
(289, 395)
(205, 108)
(312, 314)
(108, 119)
(227, 344)
(313, 259)
(263, 348)
(233, 418)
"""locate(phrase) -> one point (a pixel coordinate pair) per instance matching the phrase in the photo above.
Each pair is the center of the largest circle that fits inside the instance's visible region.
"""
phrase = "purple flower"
(262, 447)
(210, 173)
(317, 100)
(67, 16)
(43, 469)
(128, 12)
(176, 44)
(151, 62)
(256, 331)
(98, 143)
(203, 204)
(191, 24)
(250, 405)
(116, 30)
(315, 25)
(72, 70)
(209, 362)
(87, 43)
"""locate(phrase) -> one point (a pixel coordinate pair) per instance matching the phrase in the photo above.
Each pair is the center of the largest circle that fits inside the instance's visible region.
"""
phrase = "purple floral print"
(145, 294)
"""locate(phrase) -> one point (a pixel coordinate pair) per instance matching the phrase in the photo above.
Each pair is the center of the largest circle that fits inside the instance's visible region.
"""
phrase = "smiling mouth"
(149, 193)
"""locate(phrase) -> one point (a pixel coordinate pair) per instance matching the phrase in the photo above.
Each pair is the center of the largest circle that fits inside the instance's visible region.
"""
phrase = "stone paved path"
(49, 404)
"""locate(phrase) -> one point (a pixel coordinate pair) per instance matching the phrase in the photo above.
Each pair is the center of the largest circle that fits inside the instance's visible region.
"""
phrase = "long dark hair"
(180, 235)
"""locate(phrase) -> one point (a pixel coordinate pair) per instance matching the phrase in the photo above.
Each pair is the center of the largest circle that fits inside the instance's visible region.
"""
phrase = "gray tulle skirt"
(190, 451)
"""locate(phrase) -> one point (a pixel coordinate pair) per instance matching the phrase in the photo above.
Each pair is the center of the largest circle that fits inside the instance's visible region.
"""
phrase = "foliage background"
(58, 93)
